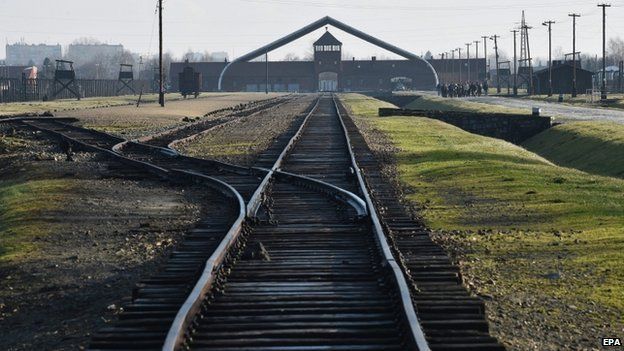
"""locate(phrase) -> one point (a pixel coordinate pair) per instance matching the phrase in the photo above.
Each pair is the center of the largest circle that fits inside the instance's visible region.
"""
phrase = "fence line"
(16, 90)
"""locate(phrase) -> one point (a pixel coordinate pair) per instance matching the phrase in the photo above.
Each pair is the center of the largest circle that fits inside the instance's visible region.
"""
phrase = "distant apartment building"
(85, 53)
(22, 54)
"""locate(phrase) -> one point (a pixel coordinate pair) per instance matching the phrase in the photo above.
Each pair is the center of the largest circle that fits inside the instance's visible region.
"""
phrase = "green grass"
(430, 102)
(518, 216)
(23, 205)
(594, 147)
(13, 108)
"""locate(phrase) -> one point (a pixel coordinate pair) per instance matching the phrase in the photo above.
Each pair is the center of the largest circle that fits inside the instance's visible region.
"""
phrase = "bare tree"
(558, 53)
(86, 41)
(591, 62)
(291, 56)
(615, 50)
(206, 56)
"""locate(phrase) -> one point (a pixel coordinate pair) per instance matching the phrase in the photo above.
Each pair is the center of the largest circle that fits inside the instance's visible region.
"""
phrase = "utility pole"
(460, 65)
(266, 83)
(495, 38)
(515, 63)
(549, 25)
(161, 92)
(487, 65)
(603, 88)
(620, 71)
(443, 63)
(525, 69)
(477, 42)
(574, 16)
(468, 57)
(453, 64)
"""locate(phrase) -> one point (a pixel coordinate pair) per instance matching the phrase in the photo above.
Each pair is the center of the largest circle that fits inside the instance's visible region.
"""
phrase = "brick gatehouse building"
(328, 72)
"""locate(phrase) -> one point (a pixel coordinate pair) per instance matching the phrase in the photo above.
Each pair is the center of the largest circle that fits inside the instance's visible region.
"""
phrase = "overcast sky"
(239, 26)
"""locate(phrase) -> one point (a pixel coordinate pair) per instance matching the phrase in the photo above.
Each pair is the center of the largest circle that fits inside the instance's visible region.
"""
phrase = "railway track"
(195, 129)
(313, 271)
(452, 319)
(316, 276)
(154, 299)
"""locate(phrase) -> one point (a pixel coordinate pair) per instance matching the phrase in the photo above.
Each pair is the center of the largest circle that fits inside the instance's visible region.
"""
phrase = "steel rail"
(184, 317)
(331, 190)
(26, 118)
(169, 152)
(159, 171)
(204, 282)
(256, 106)
(213, 183)
(176, 335)
(280, 100)
(176, 142)
(203, 285)
(416, 329)
(256, 199)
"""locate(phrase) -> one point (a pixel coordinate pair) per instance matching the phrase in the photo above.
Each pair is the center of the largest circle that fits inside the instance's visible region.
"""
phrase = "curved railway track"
(316, 276)
(308, 269)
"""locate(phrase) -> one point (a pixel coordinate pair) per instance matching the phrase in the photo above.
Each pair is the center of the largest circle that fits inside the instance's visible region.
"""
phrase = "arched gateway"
(328, 72)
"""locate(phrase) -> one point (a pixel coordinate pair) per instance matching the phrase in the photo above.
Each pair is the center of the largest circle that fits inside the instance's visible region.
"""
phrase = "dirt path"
(562, 112)
(131, 122)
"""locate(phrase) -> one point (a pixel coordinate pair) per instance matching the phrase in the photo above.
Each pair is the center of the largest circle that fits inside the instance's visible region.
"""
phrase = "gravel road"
(562, 112)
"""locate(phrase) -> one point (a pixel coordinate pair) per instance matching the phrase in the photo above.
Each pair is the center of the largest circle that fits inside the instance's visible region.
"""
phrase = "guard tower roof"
(327, 39)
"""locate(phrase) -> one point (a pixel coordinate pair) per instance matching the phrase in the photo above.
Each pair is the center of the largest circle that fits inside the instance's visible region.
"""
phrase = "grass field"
(594, 147)
(545, 242)
(22, 208)
(23, 202)
(431, 102)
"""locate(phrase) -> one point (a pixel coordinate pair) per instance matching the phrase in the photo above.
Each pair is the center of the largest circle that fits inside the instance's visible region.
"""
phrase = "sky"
(240, 26)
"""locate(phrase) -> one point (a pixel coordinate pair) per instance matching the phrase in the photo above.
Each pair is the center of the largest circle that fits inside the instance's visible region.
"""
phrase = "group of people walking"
(463, 89)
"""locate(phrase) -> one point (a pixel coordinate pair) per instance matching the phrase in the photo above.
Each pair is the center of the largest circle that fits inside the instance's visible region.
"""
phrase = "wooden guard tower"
(126, 77)
(65, 77)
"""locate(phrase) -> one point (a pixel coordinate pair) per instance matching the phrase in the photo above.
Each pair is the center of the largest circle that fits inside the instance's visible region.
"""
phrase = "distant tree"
(591, 62)
(86, 41)
(206, 56)
(615, 50)
(428, 55)
(557, 53)
(291, 56)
